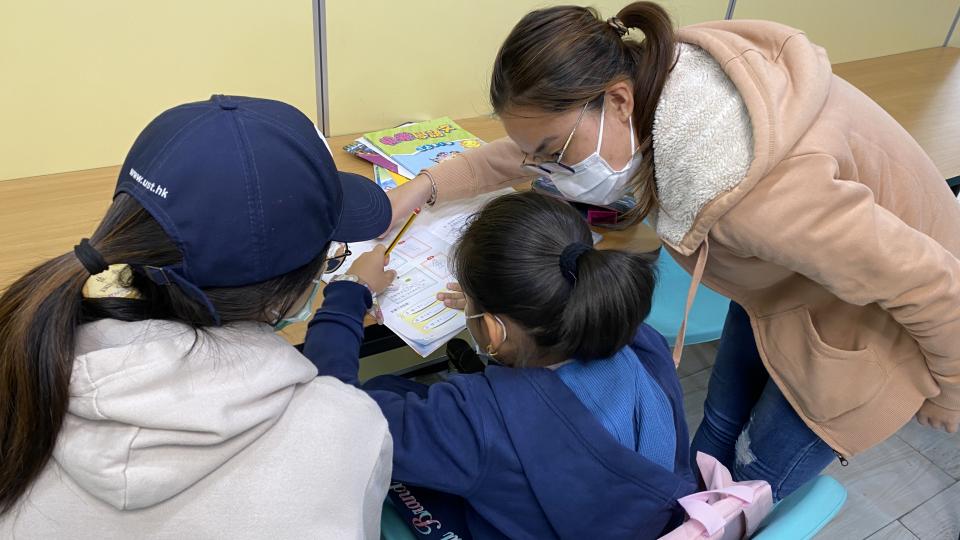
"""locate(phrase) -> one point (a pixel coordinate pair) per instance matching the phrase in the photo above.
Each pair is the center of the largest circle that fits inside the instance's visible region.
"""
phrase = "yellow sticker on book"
(114, 282)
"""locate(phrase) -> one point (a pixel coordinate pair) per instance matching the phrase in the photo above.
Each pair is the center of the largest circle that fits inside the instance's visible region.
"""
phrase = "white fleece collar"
(702, 141)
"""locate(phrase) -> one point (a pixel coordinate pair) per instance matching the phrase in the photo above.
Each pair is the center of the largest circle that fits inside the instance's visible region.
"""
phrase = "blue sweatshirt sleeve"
(438, 440)
(335, 334)
(438, 437)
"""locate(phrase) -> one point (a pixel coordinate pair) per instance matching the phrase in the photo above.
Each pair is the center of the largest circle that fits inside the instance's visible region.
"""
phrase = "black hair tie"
(618, 26)
(90, 258)
(568, 260)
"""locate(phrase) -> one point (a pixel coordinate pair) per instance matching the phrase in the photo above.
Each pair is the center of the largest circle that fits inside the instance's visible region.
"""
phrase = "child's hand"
(453, 299)
(369, 267)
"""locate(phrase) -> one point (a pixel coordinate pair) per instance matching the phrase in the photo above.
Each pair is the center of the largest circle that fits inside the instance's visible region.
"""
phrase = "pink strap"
(714, 474)
(698, 506)
(691, 295)
(704, 514)
(702, 507)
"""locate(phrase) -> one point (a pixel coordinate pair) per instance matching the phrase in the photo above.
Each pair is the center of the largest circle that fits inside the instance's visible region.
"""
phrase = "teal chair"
(804, 512)
(392, 526)
(707, 315)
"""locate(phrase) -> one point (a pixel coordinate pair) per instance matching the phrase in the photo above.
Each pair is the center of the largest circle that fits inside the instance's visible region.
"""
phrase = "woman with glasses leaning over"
(774, 182)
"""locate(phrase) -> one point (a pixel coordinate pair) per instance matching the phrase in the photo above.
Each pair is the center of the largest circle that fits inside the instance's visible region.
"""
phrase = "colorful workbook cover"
(422, 145)
(387, 179)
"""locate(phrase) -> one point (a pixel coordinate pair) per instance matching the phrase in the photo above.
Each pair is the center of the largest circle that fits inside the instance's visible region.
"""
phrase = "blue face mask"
(305, 312)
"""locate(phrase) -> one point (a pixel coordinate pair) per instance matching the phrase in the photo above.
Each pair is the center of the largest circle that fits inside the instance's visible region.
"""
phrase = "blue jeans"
(747, 423)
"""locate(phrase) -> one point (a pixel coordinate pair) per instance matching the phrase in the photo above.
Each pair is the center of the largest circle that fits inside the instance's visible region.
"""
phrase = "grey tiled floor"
(905, 488)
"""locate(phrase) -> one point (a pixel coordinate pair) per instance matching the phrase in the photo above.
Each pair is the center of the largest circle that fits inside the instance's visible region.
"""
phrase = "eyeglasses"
(336, 254)
(554, 166)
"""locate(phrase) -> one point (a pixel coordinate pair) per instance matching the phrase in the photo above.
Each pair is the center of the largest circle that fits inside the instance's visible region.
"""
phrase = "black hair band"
(90, 258)
(618, 25)
(568, 260)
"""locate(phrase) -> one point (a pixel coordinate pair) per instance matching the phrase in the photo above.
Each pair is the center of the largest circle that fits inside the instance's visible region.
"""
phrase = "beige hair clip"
(114, 282)
(618, 25)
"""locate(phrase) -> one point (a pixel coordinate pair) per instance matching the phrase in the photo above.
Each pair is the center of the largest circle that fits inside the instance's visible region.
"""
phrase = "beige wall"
(419, 59)
(857, 29)
(80, 79)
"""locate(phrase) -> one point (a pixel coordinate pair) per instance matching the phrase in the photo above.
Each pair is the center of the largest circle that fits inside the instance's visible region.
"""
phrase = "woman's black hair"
(41, 312)
(508, 263)
(561, 58)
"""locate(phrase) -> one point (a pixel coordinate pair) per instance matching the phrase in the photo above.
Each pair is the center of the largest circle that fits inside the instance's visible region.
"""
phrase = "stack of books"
(398, 154)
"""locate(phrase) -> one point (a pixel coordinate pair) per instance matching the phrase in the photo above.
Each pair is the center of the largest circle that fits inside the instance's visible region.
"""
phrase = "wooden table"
(636, 238)
(921, 89)
(42, 217)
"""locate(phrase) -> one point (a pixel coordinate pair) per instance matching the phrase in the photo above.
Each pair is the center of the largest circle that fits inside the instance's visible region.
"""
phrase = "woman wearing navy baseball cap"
(143, 391)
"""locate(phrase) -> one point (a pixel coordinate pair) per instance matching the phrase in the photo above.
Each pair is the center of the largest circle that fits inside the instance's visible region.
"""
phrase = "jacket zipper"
(843, 460)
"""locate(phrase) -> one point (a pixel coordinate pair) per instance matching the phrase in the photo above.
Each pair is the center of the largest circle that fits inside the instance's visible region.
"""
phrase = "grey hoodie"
(222, 434)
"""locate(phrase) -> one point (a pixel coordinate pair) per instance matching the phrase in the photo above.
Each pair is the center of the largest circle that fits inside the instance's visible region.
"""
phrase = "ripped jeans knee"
(776, 446)
(743, 453)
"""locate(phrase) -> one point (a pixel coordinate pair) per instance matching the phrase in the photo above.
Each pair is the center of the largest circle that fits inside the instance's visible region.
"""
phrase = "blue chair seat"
(392, 526)
(804, 512)
(707, 315)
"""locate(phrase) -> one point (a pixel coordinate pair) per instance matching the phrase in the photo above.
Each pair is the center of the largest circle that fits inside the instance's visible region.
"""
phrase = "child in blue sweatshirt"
(576, 430)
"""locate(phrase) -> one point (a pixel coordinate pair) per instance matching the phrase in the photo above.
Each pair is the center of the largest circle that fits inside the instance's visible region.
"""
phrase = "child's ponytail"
(529, 257)
(609, 299)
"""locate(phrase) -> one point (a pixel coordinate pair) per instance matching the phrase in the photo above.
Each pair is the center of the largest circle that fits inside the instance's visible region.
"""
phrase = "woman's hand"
(453, 299)
(937, 417)
(407, 198)
(369, 267)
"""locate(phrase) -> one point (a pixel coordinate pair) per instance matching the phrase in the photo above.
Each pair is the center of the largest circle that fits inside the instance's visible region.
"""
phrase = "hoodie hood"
(783, 80)
(155, 406)
(600, 486)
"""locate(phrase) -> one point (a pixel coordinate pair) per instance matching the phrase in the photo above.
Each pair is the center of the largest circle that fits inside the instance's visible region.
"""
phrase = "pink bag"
(728, 510)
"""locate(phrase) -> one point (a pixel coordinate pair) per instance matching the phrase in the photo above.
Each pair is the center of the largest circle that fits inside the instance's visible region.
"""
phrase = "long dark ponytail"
(560, 58)
(40, 314)
(508, 263)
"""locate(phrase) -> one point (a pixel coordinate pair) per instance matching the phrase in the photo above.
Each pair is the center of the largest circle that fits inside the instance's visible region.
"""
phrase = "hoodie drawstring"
(691, 295)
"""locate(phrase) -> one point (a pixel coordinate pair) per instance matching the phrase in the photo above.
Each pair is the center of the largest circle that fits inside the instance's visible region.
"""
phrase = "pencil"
(403, 229)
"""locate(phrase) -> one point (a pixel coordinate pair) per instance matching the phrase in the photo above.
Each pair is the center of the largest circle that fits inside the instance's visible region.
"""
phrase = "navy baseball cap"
(248, 191)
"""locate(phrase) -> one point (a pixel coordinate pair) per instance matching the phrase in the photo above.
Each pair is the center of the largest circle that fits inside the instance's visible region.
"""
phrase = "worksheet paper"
(422, 261)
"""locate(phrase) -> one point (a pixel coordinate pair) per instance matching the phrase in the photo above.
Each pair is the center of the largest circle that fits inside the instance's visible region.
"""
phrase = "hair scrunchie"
(568, 260)
(90, 258)
(617, 25)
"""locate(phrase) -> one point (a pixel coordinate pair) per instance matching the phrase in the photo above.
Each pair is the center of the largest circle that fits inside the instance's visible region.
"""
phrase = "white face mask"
(486, 356)
(593, 180)
(303, 314)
